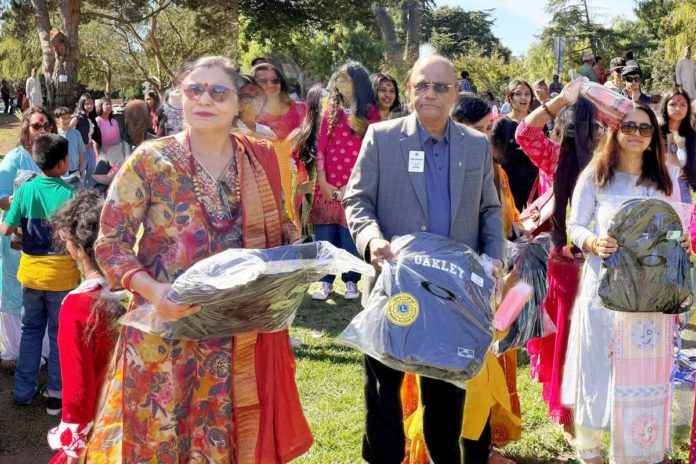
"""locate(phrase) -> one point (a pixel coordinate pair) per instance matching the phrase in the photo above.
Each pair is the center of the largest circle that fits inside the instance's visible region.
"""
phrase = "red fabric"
(541, 150)
(283, 124)
(547, 354)
(83, 363)
(283, 433)
(62, 458)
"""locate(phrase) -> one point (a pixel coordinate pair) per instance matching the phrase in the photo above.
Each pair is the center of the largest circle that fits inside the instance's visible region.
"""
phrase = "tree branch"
(121, 19)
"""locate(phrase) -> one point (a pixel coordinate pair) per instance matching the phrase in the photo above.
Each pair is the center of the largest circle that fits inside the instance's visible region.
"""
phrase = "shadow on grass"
(332, 353)
(330, 316)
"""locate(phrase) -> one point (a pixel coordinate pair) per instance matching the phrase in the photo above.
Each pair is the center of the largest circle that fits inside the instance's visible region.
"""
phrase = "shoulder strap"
(534, 191)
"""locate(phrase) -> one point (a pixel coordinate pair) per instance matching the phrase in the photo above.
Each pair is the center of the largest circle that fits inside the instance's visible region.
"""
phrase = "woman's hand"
(684, 242)
(602, 246)
(72, 460)
(570, 92)
(304, 188)
(326, 189)
(166, 308)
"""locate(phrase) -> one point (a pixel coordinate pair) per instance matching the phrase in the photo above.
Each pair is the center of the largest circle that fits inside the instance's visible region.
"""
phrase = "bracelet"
(129, 276)
(548, 111)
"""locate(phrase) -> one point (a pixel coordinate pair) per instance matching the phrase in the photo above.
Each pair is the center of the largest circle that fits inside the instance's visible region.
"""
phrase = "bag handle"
(535, 189)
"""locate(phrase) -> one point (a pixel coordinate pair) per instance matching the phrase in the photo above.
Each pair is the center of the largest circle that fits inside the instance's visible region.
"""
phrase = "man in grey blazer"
(421, 173)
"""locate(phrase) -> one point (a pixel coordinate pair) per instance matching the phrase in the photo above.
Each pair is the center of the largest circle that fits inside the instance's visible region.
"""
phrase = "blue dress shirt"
(437, 182)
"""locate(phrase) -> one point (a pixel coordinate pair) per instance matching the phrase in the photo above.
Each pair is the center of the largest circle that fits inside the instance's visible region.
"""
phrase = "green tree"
(452, 31)
(489, 73)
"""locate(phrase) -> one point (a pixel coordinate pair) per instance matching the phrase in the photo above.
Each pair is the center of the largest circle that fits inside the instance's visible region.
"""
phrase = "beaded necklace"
(224, 216)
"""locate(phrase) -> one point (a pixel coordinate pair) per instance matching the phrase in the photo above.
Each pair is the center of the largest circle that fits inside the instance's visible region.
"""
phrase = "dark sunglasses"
(273, 81)
(47, 127)
(218, 93)
(630, 128)
(632, 79)
(439, 87)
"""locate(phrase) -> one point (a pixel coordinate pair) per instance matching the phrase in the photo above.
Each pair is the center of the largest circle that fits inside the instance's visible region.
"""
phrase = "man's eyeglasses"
(273, 81)
(218, 93)
(249, 98)
(631, 79)
(47, 126)
(438, 87)
(630, 128)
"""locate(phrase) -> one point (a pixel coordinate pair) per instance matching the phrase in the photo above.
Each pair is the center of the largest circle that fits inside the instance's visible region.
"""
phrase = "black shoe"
(54, 406)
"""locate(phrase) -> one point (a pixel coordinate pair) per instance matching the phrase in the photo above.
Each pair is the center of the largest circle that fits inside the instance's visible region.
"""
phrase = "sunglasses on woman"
(273, 81)
(438, 87)
(218, 93)
(630, 128)
(632, 79)
(47, 126)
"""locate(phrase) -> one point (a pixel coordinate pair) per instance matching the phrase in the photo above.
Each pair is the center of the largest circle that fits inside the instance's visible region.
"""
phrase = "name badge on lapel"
(416, 161)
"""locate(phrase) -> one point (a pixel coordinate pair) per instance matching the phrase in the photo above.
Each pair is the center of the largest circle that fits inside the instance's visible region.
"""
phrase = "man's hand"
(497, 273)
(380, 251)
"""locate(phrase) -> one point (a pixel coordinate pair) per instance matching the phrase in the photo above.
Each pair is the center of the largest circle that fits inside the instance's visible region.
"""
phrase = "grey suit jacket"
(383, 199)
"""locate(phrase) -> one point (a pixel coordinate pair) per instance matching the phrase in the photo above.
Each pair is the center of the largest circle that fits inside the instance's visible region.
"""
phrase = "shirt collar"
(425, 136)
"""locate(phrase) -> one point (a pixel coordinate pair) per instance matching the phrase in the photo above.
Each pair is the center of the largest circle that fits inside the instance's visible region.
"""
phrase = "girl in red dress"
(86, 333)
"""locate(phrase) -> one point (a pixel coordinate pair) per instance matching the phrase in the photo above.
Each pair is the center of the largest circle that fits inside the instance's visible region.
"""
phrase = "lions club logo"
(402, 309)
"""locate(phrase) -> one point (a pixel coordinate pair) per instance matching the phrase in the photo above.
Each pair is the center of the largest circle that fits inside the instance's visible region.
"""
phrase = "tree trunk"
(234, 30)
(60, 51)
(411, 16)
(593, 43)
(386, 27)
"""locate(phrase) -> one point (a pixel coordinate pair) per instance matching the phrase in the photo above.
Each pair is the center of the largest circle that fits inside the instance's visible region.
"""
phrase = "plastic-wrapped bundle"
(650, 272)
(612, 107)
(531, 260)
(246, 290)
(430, 312)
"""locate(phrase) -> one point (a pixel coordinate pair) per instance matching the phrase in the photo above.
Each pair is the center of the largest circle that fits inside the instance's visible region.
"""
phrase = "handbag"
(539, 211)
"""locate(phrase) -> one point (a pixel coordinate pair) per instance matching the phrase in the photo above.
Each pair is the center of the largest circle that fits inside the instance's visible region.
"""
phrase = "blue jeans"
(40, 307)
(339, 237)
(90, 165)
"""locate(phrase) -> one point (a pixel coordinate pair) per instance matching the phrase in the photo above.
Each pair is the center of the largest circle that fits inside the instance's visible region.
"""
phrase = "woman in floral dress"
(196, 193)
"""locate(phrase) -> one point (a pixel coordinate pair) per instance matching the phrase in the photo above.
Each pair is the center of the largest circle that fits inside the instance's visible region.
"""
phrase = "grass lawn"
(9, 125)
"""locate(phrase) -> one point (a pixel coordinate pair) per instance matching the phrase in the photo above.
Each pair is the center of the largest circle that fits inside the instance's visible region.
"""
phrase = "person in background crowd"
(491, 101)
(283, 116)
(685, 74)
(376, 214)
(33, 88)
(76, 147)
(541, 91)
(87, 328)
(36, 121)
(46, 274)
(251, 103)
(679, 138)
(294, 90)
(632, 77)
(587, 68)
(85, 121)
(386, 92)
(610, 392)
(171, 115)
(465, 83)
(304, 152)
(5, 93)
(153, 103)
(520, 170)
(349, 111)
(110, 131)
(258, 60)
(616, 66)
(629, 59)
(599, 70)
(19, 96)
(555, 86)
(239, 402)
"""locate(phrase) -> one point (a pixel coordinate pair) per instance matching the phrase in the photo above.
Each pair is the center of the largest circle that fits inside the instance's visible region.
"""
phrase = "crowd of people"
(97, 211)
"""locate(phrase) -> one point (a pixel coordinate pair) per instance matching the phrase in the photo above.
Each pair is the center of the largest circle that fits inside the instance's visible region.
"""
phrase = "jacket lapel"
(457, 166)
(411, 142)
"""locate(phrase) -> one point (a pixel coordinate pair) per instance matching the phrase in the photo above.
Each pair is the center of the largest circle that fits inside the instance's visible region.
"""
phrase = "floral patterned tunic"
(171, 401)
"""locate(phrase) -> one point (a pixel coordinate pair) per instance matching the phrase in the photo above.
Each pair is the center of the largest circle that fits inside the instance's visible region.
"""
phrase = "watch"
(335, 194)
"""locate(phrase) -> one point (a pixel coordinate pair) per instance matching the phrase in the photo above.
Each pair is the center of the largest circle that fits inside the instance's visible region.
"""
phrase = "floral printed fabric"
(171, 401)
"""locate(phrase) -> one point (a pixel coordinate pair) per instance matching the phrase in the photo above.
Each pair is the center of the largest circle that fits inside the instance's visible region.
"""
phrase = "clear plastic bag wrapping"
(246, 290)
(430, 312)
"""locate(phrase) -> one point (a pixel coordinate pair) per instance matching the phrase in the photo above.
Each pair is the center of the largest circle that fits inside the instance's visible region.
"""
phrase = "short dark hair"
(469, 109)
(597, 58)
(49, 150)
(258, 60)
(464, 74)
(60, 112)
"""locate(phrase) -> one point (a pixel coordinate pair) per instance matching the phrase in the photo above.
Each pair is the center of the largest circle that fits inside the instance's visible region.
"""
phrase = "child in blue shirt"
(76, 147)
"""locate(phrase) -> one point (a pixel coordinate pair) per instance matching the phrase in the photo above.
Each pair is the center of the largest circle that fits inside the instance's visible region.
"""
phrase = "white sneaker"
(351, 292)
(323, 292)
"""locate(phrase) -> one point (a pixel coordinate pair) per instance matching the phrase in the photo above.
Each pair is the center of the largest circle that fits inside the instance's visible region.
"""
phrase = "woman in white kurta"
(618, 365)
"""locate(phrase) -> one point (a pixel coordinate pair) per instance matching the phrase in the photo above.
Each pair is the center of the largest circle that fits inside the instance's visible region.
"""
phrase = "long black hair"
(686, 130)
(376, 80)
(363, 98)
(304, 138)
(80, 108)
